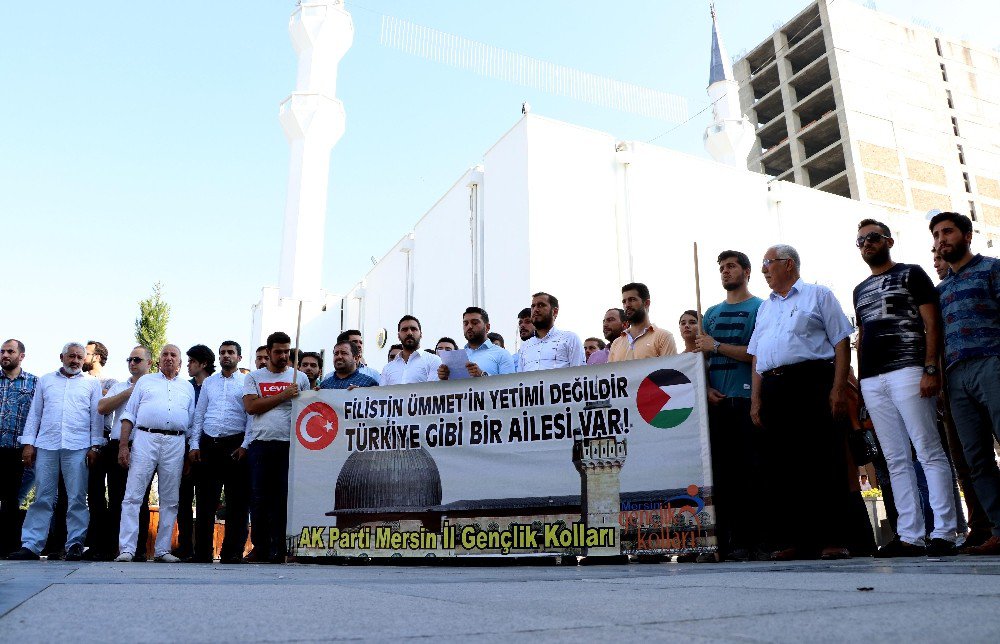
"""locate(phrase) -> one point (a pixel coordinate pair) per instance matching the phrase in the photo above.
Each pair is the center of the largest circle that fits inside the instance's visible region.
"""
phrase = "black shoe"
(687, 557)
(75, 552)
(234, 559)
(941, 548)
(899, 548)
(740, 554)
(975, 539)
(56, 555)
(22, 555)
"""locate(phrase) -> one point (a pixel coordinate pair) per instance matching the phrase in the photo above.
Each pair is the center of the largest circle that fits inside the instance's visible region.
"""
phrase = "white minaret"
(313, 119)
(730, 136)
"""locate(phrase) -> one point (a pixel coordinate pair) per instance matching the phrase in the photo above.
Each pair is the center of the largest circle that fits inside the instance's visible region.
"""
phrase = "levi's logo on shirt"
(273, 388)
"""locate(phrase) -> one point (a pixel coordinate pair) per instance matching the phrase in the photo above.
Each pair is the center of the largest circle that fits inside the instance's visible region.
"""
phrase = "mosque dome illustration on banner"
(393, 479)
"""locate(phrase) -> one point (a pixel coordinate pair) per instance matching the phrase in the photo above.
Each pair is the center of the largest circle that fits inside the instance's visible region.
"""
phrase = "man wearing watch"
(738, 448)
(62, 435)
(899, 346)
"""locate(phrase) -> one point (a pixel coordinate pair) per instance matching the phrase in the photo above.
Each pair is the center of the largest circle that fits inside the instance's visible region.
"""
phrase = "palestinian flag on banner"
(665, 398)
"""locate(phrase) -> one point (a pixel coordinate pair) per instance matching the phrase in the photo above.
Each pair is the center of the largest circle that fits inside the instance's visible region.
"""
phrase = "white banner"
(603, 460)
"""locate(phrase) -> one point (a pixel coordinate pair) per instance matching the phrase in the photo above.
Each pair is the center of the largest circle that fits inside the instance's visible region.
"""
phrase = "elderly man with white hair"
(801, 360)
(62, 435)
(161, 410)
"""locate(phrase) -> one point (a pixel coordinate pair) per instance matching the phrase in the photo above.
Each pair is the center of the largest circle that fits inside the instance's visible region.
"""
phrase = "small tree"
(151, 325)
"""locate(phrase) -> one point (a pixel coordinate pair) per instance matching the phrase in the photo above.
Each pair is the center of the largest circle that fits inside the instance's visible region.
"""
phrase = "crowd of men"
(780, 387)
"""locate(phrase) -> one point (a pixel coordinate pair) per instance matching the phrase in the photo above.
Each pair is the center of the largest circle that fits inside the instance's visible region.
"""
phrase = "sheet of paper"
(455, 361)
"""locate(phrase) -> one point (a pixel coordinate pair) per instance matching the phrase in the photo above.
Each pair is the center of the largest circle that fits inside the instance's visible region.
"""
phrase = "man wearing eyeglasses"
(801, 356)
(899, 339)
(112, 406)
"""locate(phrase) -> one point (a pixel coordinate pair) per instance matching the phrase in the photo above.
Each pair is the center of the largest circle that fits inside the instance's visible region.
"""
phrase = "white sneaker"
(167, 558)
(125, 557)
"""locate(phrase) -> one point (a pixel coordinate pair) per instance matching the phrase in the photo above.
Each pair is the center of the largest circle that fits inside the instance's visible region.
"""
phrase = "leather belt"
(797, 367)
(168, 432)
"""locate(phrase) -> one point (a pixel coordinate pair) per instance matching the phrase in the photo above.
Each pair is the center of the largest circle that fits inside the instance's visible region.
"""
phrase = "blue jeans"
(974, 392)
(48, 463)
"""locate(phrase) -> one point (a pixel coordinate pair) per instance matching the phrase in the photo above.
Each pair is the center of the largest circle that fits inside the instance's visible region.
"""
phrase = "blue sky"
(139, 142)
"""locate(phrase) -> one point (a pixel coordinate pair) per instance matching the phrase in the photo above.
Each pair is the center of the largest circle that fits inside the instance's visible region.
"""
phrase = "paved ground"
(912, 600)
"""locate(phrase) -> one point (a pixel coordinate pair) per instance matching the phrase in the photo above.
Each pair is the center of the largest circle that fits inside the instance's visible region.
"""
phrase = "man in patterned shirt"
(899, 339)
(970, 305)
(17, 386)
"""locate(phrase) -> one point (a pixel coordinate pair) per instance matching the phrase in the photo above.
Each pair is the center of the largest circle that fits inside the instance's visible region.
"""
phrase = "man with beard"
(103, 536)
(899, 339)
(17, 387)
(970, 305)
(550, 348)
(485, 358)
(801, 360)
(97, 359)
(161, 410)
(411, 364)
(93, 365)
(525, 330)
(260, 357)
(738, 448)
(346, 373)
(978, 522)
(642, 339)
(311, 364)
(218, 447)
(354, 337)
(62, 436)
(267, 396)
(612, 326)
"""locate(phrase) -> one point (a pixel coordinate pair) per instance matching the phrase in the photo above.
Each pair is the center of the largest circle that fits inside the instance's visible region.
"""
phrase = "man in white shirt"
(62, 435)
(411, 364)
(550, 348)
(267, 396)
(104, 541)
(218, 445)
(161, 410)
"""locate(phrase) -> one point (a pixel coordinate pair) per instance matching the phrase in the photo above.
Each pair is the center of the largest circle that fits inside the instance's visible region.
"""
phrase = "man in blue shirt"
(970, 306)
(485, 358)
(346, 373)
(739, 474)
(801, 360)
(17, 387)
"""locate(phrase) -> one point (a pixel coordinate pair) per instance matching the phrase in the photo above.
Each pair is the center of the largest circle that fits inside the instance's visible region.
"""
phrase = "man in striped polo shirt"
(970, 304)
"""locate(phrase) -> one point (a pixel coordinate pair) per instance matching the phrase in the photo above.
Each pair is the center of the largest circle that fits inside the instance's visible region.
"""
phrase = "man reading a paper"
(483, 358)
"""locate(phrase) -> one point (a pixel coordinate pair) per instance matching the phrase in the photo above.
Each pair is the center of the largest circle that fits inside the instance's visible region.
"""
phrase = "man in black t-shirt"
(899, 339)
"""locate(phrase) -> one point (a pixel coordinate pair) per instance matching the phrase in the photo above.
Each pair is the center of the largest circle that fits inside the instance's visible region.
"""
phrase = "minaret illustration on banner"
(731, 135)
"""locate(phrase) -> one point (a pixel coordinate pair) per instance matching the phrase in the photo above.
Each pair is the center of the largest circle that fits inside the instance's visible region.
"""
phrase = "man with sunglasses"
(801, 357)
(112, 406)
(899, 340)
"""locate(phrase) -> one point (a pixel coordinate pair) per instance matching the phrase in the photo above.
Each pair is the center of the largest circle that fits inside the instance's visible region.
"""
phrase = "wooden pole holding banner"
(697, 288)
(295, 361)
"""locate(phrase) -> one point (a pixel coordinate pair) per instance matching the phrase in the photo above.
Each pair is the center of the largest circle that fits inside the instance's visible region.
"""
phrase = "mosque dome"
(391, 479)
